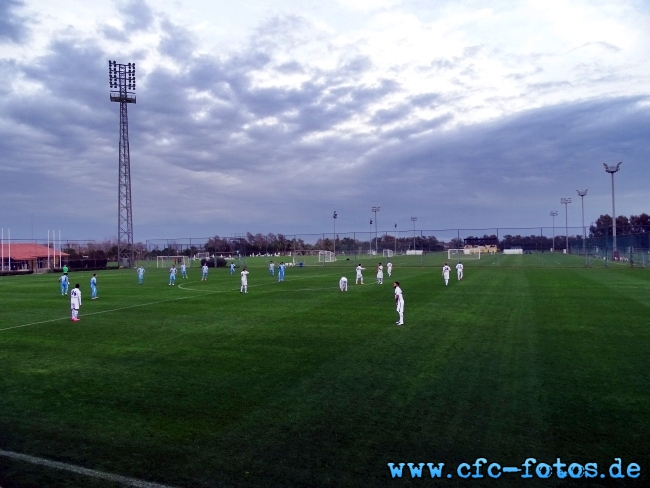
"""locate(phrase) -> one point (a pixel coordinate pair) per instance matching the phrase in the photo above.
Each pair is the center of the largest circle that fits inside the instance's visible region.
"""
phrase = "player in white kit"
(380, 274)
(343, 284)
(204, 272)
(459, 271)
(445, 273)
(389, 268)
(172, 276)
(75, 302)
(399, 303)
(244, 281)
(183, 271)
(359, 275)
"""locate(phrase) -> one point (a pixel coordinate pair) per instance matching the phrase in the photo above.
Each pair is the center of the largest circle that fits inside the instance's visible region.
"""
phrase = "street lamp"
(553, 214)
(370, 252)
(565, 202)
(395, 238)
(334, 217)
(375, 210)
(584, 232)
(611, 170)
(414, 220)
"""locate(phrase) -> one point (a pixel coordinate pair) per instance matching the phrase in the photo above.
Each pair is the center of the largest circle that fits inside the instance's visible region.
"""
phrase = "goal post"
(326, 257)
(388, 253)
(463, 254)
(168, 261)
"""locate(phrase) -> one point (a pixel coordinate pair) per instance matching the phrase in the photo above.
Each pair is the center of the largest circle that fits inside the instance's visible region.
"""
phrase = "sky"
(268, 116)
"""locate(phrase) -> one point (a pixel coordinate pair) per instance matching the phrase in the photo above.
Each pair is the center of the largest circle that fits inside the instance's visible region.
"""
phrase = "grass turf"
(298, 384)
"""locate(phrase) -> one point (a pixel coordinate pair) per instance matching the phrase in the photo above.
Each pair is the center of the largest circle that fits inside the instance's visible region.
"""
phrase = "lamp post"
(584, 232)
(370, 239)
(375, 210)
(414, 220)
(395, 238)
(611, 170)
(553, 214)
(566, 202)
(334, 217)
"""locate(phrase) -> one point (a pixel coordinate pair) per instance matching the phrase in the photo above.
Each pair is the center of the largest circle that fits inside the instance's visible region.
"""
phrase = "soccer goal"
(326, 257)
(463, 254)
(202, 255)
(388, 253)
(168, 261)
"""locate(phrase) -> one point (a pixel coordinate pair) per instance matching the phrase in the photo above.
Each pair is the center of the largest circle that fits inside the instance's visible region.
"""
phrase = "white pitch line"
(154, 303)
(125, 480)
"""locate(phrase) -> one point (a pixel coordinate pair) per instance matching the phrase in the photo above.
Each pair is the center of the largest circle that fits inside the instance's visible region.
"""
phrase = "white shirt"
(389, 265)
(343, 281)
(459, 267)
(140, 270)
(359, 269)
(244, 278)
(183, 268)
(271, 266)
(172, 271)
(446, 269)
(399, 298)
(204, 268)
(75, 297)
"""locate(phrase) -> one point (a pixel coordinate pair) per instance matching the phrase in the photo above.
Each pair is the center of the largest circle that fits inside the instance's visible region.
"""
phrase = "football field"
(298, 384)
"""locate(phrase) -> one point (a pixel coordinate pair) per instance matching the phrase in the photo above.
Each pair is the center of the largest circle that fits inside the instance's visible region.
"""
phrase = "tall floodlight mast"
(121, 79)
(414, 220)
(553, 214)
(582, 195)
(611, 170)
(375, 210)
(565, 202)
(334, 217)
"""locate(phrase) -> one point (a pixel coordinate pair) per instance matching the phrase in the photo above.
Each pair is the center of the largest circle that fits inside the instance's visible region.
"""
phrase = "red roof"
(25, 252)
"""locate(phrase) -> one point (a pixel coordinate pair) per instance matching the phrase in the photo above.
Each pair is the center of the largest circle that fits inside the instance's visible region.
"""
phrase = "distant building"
(28, 257)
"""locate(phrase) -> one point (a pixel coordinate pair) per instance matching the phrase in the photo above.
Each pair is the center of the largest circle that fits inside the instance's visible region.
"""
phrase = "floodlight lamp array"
(120, 73)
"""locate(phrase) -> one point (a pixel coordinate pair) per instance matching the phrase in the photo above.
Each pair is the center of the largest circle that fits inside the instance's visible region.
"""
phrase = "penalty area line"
(92, 473)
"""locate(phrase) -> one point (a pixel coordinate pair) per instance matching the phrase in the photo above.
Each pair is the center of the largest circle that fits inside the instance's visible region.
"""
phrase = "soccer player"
(281, 267)
(183, 271)
(459, 271)
(65, 269)
(75, 302)
(93, 287)
(399, 303)
(272, 268)
(140, 275)
(389, 268)
(445, 273)
(343, 284)
(232, 268)
(64, 280)
(380, 274)
(244, 281)
(204, 270)
(172, 275)
(359, 275)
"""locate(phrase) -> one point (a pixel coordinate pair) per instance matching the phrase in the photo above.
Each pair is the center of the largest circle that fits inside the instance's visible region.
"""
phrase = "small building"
(28, 257)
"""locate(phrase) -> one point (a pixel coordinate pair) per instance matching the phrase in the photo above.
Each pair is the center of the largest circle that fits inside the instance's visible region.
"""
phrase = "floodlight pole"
(375, 210)
(611, 170)
(565, 202)
(553, 214)
(335, 216)
(121, 78)
(414, 220)
(584, 232)
(395, 238)
(370, 238)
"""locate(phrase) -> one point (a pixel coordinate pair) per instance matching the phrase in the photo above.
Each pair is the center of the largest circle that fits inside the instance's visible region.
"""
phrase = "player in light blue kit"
(64, 280)
(183, 271)
(281, 271)
(172, 276)
(140, 275)
(232, 268)
(272, 268)
(93, 287)
(204, 271)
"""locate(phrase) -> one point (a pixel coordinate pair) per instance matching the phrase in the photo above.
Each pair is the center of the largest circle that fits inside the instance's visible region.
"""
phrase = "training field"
(298, 384)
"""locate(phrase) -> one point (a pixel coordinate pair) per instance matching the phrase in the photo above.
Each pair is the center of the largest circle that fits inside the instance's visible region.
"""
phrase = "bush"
(221, 263)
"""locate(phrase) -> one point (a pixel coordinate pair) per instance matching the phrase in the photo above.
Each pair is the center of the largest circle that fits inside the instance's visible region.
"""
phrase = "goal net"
(202, 255)
(169, 261)
(326, 257)
(388, 253)
(463, 254)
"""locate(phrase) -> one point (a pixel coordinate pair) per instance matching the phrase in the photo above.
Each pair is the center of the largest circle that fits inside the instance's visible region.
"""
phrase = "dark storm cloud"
(12, 25)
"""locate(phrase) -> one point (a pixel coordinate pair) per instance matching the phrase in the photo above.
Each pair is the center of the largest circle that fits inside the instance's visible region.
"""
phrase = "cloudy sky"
(266, 116)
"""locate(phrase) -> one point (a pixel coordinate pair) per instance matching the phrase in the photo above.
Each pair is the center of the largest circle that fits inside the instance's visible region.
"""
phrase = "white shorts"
(400, 307)
(380, 275)
(74, 306)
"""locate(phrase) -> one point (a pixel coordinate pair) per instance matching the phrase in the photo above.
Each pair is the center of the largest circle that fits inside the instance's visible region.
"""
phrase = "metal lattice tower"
(121, 79)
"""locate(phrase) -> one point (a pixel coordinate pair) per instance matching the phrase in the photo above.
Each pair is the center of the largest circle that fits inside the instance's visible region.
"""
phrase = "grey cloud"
(13, 26)
(137, 15)
(177, 42)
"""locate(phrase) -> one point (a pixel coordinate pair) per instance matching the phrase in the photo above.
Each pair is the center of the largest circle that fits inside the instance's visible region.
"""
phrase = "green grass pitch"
(298, 384)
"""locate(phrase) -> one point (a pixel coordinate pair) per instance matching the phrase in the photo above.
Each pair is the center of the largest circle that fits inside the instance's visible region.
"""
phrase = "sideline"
(125, 480)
